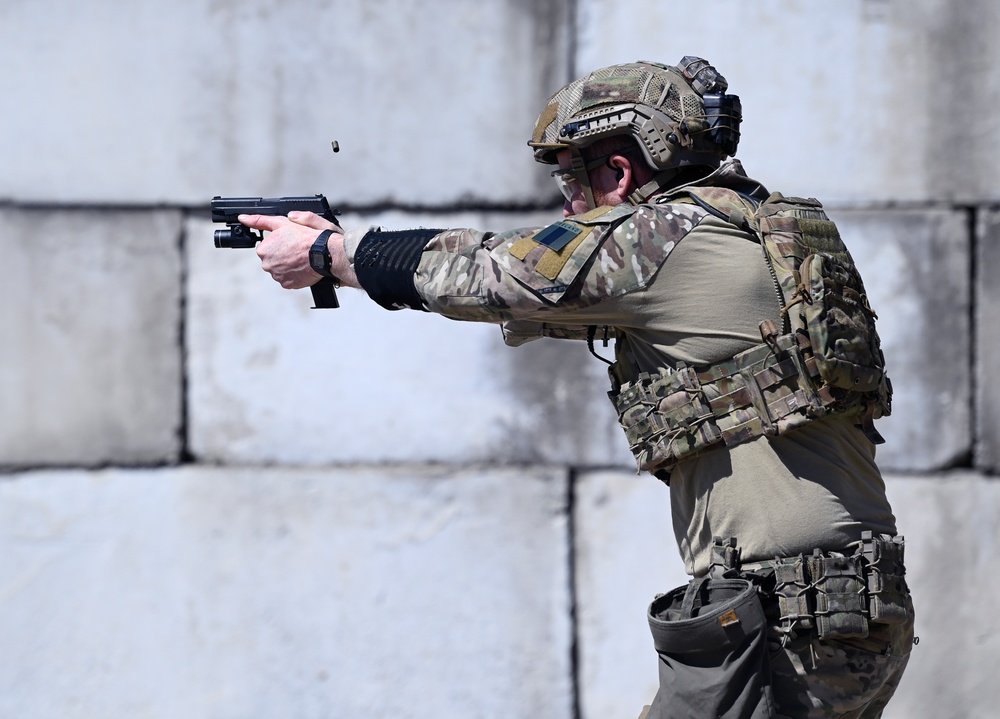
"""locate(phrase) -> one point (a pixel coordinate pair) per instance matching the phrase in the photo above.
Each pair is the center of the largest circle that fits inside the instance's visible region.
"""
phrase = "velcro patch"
(551, 263)
(556, 236)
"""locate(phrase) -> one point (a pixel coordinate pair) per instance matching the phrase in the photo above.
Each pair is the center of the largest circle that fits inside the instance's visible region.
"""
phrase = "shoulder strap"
(728, 205)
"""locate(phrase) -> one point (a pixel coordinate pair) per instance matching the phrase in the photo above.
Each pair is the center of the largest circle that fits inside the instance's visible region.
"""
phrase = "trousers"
(850, 678)
(828, 638)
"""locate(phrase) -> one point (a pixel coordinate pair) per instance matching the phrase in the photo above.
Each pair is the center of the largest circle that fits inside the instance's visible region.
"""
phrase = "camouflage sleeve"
(563, 274)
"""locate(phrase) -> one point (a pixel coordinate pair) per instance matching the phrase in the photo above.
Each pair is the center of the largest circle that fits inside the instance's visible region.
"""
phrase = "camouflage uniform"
(840, 679)
(635, 269)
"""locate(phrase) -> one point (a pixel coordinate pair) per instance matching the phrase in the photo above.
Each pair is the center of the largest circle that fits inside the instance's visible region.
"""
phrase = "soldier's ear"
(616, 166)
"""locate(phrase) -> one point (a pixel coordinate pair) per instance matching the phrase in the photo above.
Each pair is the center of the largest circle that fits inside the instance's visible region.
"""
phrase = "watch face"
(319, 256)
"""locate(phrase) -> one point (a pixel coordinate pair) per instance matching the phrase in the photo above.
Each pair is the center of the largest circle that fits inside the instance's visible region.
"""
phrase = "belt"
(833, 594)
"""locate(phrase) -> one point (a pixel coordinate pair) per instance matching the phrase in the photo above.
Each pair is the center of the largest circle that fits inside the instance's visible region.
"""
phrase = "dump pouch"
(711, 638)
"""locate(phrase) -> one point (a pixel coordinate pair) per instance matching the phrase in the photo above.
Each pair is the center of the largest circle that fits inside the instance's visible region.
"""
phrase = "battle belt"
(832, 594)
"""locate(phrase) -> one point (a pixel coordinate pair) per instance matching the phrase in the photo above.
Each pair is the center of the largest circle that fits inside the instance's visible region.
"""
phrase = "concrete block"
(987, 302)
(852, 102)
(90, 370)
(952, 527)
(457, 394)
(199, 592)
(166, 101)
(270, 380)
(915, 264)
(625, 555)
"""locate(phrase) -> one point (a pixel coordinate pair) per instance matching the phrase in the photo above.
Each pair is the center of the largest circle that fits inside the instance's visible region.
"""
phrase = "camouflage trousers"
(841, 678)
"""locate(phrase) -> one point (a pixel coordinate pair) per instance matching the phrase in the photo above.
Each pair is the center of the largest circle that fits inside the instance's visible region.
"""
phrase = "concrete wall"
(215, 502)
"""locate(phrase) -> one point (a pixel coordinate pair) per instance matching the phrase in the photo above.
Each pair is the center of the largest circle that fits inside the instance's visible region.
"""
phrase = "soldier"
(747, 377)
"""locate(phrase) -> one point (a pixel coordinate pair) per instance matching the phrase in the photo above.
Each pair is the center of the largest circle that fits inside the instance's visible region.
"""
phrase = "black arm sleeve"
(385, 263)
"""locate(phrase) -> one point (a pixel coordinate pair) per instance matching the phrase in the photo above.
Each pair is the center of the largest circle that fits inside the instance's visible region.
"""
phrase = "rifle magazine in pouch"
(711, 638)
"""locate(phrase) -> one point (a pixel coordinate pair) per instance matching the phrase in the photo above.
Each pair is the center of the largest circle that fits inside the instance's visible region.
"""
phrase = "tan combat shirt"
(682, 286)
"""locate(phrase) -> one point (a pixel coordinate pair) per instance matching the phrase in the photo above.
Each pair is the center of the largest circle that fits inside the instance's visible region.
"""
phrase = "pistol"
(227, 209)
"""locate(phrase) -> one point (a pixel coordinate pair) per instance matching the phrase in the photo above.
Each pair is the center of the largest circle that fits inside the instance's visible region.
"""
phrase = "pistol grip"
(324, 295)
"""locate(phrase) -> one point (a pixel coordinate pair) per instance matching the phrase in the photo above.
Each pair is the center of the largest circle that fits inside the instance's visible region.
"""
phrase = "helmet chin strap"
(671, 179)
(583, 176)
(660, 182)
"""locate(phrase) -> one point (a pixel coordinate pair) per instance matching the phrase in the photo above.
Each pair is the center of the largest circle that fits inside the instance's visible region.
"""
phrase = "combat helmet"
(678, 115)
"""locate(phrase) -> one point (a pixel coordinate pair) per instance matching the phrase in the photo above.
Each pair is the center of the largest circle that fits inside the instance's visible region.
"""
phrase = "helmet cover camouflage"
(678, 115)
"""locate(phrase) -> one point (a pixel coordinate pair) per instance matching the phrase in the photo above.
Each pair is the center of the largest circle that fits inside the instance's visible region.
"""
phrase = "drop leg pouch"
(711, 638)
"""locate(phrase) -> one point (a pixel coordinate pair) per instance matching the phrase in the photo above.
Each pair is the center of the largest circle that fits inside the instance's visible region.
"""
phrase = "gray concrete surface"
(260, 364)
(91, 357)
(952, 525)
(529, 399)
(407, 592)
(855, 102)
(262, 593)
(200, 97)
(916, 268)
(626, 555)
(987, 396)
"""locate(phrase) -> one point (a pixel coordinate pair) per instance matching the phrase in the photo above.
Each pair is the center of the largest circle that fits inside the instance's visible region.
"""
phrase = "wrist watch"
(319, 254)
